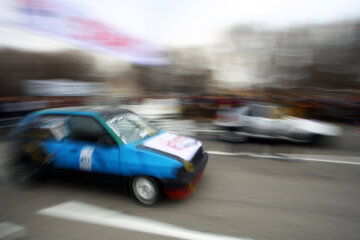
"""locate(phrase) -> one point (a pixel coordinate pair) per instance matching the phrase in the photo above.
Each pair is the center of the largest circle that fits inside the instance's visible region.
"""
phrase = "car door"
(54, 128)
(89, 147)
(258, 121)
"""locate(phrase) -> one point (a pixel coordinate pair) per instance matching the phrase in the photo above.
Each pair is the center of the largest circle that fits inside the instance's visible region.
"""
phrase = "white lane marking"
(352, 160)
(354, 134)
(246, 154)
(84, 212)
(10, 230)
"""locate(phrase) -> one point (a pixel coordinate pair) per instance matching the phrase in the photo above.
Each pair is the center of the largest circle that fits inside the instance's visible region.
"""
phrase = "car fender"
(136, 160)
(315, 127)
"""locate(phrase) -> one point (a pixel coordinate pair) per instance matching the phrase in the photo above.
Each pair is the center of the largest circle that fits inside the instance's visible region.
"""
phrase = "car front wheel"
(145, 190)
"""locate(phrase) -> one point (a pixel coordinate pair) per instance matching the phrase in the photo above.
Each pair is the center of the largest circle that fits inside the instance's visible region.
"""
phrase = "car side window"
(85, 128)
(260, 111)
(245, 111)
(249, 112)
(47, 126)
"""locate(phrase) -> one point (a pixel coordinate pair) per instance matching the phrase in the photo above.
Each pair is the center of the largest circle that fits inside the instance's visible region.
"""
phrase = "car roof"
(106, 111)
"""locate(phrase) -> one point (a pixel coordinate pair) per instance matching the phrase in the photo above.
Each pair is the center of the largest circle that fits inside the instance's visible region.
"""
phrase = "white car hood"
(180, 146)
(313, 126)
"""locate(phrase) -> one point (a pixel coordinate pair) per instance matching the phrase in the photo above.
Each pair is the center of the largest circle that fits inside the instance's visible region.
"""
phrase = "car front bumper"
(186, 183)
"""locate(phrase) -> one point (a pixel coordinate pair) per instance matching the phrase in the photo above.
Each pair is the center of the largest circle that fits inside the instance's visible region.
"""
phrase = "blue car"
(110, 141)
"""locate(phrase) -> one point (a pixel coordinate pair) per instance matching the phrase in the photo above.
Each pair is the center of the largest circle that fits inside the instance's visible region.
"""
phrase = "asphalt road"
(239, 196)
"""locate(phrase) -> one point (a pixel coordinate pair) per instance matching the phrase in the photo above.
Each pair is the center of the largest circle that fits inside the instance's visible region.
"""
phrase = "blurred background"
(204, 54)
(184, 64)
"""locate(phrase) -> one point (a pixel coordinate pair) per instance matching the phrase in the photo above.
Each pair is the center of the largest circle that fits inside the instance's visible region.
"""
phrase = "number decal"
(86, 158)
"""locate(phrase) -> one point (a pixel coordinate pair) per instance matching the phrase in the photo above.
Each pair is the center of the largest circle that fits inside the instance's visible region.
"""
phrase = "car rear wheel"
(317, 139)
(24, 172)
(145, 190)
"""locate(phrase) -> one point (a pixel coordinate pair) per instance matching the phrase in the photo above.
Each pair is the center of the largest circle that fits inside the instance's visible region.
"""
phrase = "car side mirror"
(106, 140)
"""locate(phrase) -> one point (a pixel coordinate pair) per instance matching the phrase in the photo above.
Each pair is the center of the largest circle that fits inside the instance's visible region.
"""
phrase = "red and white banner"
(53, 18)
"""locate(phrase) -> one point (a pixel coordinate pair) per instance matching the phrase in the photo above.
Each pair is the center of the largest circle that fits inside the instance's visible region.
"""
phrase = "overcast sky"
(174, 22)
(191, 22)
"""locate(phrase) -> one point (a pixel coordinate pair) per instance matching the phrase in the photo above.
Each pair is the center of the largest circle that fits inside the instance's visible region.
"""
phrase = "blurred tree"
(16, 66)
(187, 73)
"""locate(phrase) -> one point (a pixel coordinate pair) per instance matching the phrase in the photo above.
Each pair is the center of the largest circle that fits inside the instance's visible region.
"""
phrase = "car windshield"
(271, 111)
(130, 127)
(260, 111)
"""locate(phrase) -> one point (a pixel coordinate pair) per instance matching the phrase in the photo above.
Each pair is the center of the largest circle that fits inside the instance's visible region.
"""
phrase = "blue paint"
(120, 159)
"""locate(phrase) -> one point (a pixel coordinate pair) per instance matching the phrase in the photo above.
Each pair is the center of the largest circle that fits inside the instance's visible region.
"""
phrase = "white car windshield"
(130, 127)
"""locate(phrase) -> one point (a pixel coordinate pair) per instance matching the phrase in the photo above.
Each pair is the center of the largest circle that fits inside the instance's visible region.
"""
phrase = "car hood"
(174, 144)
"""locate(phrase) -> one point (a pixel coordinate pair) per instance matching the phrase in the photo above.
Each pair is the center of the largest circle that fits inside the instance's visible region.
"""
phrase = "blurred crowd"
(341, 107)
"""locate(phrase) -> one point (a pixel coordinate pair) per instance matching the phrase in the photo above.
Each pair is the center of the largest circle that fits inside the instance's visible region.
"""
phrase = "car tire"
(232, 137)
(25, 172)
(316, 140)
(145, 190)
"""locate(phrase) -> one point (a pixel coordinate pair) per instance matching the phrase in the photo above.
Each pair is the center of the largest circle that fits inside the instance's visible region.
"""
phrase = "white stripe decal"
(84, 212)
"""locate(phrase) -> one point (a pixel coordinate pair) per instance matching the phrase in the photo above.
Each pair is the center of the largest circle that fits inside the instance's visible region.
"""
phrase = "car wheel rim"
(144, 190)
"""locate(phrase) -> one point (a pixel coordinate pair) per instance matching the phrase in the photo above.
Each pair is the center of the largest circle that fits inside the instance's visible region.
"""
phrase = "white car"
(266, 121)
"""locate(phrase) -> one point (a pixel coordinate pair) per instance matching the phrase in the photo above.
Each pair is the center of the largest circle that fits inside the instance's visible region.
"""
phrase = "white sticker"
(183, 147)
(57, 126)
(86, 158)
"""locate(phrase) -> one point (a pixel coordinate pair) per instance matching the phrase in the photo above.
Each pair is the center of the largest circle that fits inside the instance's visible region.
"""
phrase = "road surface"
(240, 196)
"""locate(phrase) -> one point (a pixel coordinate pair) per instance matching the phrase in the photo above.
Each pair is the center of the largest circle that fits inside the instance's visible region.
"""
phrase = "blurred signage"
(52, 17)
(23, 106)
(60, 87)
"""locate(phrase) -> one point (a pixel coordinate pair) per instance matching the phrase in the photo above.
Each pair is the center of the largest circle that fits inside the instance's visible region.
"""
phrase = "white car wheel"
(145, 190)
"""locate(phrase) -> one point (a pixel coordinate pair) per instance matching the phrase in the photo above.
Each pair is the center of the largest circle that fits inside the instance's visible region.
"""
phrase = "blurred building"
(318, 56)
(188, 73)
(323, 56)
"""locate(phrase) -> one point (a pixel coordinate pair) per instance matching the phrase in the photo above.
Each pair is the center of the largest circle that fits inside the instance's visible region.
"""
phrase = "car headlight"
(189, 166)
